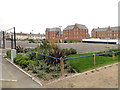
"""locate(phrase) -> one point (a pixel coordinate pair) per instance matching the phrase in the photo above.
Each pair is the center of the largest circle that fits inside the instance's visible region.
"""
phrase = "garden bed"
(47, 69)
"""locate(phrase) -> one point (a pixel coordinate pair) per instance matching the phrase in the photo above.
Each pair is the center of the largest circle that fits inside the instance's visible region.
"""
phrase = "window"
(74, 29)
(74, 32)
(77, 29)
(77, 32)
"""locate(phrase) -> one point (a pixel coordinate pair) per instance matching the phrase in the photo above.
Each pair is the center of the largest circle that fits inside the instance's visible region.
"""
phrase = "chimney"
(98, 27)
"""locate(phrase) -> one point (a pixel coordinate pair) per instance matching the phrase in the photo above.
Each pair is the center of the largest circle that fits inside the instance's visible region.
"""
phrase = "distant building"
(71, 32)
(53, 33)
(21, 36)
(36, 36)
(106, 33)
(75, 32)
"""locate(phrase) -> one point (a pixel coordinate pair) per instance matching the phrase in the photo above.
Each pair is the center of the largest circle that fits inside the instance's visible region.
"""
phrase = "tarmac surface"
(14, 78)
(80, 47)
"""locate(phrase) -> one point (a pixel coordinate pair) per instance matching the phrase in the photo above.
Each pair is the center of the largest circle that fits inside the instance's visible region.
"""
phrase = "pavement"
(13, 77)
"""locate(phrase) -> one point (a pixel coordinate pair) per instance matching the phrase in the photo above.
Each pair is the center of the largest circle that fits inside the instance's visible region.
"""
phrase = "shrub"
(70, 70)
(31, 56)
(19, 49)
(35, 63)
(41, 74)
(55, 75)
(35, 69)
(30, 66)
(55, 51)
(8, 53)
(72, 51)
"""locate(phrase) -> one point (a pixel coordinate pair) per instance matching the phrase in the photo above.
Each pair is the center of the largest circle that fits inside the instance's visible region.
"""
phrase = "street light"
(60, 34)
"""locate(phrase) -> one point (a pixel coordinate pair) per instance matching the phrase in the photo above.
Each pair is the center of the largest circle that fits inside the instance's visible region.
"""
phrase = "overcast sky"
(37, 15)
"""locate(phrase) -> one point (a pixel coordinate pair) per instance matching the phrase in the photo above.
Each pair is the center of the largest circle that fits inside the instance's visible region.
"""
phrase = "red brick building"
(105, 33)
(71, 32)
(52, 33)
(75, 32)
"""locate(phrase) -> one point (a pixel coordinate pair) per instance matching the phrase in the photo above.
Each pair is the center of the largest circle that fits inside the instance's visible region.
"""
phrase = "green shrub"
(72, 51)
(30, 66)
(41, 74)
(8, 53)
(19, 49)
(55, 75)
(25, 58)
(70, 70)
(31, 56)
(35, 69)
(35, 63)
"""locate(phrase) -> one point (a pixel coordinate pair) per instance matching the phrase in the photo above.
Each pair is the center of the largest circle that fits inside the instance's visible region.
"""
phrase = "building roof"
(100, 29)
(53, 29)
(105, 29)
(115, 28)
(80, 26)
(21, 34)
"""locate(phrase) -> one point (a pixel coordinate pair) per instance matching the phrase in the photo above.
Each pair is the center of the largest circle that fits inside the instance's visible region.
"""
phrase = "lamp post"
(60, 34)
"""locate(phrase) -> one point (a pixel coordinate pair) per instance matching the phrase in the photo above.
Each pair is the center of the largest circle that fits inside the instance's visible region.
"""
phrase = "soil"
(103, 78)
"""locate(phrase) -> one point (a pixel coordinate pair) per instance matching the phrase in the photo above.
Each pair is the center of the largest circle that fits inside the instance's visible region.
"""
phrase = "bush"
(31, 41)
(8, 53)
(55, 75)
(41, 74)
(72, 51)
(70, 70)
(19, 49)
(35, 69)
(69, 51)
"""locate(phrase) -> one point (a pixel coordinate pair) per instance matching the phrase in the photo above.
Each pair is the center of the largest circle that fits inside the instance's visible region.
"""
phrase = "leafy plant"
(8, 53)
(19, 49)
(41, 74)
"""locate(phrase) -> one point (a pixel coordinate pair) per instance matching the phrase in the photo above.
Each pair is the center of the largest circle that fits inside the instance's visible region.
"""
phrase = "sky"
(37, 15)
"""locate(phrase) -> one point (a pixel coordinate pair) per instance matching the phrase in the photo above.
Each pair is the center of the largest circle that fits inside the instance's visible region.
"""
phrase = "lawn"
(86, 63)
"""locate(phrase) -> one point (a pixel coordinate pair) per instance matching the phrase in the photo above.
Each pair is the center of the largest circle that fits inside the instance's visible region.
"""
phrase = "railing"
(62, 60)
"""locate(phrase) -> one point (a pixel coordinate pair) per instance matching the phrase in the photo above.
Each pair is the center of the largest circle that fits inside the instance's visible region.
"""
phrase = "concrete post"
(13, 54)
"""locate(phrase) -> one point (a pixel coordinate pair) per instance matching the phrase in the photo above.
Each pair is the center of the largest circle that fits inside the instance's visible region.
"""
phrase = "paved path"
(14, 78)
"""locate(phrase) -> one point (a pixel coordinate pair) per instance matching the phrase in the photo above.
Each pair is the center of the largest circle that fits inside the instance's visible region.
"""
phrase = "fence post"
(93, 59)
(113, 55)
(23, 50)
(36, 54)
(62, 66)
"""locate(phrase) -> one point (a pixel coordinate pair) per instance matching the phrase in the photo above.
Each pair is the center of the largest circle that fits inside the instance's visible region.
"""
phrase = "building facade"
(75, 32)
(53, 33)
(106, 33)
(71, 32)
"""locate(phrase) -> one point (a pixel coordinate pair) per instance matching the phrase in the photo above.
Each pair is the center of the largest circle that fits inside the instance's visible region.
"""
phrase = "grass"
(86, 63)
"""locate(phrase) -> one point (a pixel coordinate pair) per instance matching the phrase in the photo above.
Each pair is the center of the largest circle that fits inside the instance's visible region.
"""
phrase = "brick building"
(53, 33)
(75, 32)
(71, 32)
(105, 33)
